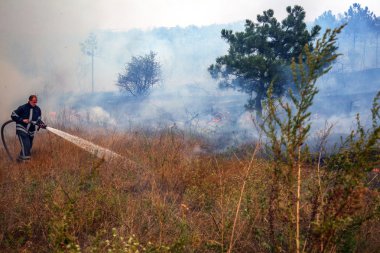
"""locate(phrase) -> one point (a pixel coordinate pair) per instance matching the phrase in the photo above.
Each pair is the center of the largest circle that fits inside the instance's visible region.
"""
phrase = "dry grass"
(175, 197)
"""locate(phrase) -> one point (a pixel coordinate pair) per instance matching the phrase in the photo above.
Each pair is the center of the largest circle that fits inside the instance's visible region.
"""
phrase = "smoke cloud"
(40, 54)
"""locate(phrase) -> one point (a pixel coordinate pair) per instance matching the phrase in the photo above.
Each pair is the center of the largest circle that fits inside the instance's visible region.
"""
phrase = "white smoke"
(99, 116)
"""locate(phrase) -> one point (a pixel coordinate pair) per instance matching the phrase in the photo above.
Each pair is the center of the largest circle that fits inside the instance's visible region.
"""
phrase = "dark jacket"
(26, 111)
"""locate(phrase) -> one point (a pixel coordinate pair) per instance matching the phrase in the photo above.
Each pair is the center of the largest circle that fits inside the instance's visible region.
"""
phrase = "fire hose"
(39, 124)
(3, 139)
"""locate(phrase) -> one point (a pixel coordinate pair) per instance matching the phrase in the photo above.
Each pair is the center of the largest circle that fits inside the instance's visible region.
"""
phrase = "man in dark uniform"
(27, 117)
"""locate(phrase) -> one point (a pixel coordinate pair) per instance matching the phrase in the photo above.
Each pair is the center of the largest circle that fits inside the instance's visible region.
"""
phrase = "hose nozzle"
(41, 124)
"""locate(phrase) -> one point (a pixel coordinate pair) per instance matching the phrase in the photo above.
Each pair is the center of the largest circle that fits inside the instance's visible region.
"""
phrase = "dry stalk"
(324, 135)
(222, 191)
(241, 196)
(298, 201)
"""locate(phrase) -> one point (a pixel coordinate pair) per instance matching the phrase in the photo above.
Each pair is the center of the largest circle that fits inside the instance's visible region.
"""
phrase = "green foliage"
(287, 125)
(260, 56)
(343, 201)
(290, 131)
(348, 202)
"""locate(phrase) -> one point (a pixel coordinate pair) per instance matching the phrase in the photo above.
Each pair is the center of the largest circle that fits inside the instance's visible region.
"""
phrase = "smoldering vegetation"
(199, 177)
(187, 98)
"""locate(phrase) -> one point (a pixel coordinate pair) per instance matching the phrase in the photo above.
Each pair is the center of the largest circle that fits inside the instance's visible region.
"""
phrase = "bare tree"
(89, 47)
(141, 73)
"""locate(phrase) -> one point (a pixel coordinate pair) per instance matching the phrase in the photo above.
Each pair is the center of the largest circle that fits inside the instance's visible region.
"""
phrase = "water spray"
(90, 147)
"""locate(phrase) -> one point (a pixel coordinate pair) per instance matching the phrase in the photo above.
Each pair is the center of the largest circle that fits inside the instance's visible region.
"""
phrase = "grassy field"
(175, 196)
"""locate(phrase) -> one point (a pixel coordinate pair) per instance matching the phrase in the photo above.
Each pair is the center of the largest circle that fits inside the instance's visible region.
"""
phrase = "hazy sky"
(61, 16)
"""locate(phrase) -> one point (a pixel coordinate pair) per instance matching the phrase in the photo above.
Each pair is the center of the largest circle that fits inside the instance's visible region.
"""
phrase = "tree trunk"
(377, 47)
(259, 107)
(92, 72)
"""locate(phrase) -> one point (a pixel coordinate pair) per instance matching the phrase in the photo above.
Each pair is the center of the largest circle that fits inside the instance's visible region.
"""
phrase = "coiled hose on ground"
(3, 139)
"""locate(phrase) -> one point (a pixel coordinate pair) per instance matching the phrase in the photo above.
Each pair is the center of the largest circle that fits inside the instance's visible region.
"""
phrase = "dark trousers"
(26, 142)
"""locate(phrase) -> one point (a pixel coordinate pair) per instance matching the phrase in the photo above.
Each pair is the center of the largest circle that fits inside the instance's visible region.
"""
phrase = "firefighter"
(27, 117)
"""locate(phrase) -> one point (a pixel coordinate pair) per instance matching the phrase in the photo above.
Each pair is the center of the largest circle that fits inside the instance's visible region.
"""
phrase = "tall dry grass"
(175, 196)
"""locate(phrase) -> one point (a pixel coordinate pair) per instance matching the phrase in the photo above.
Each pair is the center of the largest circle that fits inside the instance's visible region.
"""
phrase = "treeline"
(359, 40)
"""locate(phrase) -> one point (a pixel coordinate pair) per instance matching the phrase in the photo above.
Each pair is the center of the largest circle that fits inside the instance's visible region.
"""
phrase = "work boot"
(20, 160)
